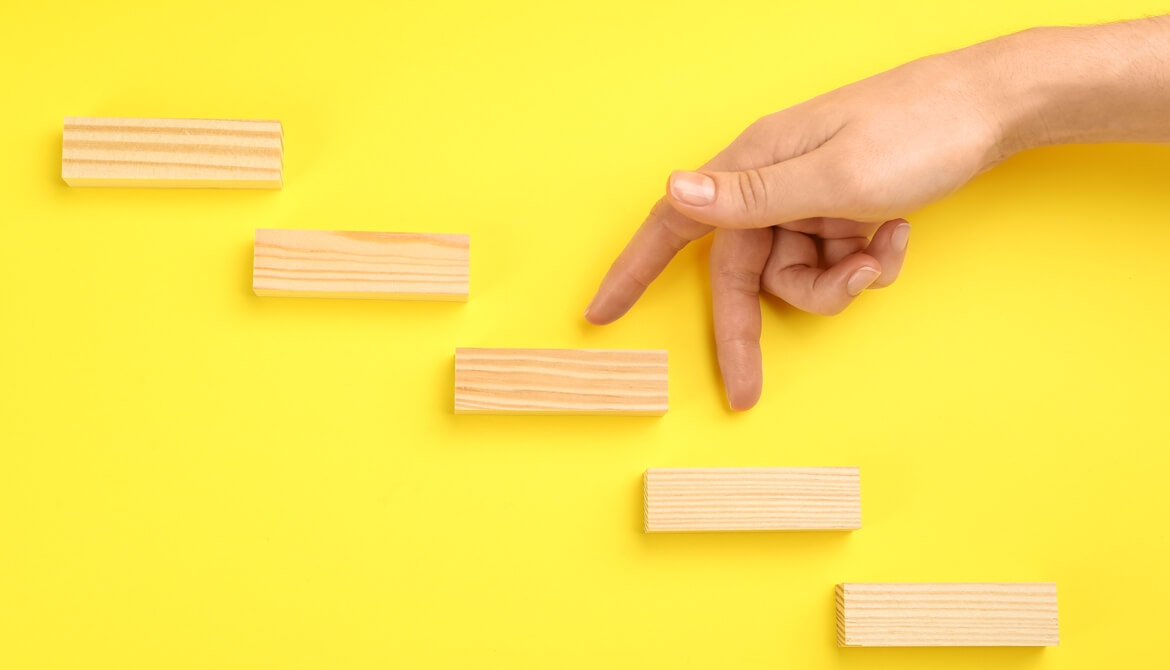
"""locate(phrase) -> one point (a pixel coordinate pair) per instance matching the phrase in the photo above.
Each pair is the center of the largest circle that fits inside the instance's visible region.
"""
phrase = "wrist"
(1014, 91)
(1060, 85)
(1040, 82)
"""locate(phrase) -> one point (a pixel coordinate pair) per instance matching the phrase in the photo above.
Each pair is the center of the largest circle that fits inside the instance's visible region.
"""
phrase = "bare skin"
(806, 203)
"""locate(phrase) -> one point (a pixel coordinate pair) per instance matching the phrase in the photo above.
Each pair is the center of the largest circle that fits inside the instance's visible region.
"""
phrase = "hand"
(804, 203)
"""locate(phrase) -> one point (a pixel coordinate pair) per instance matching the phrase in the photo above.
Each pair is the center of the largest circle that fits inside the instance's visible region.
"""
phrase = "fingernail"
(900, 237)
(692, 188)
(590, 306)
(861, 280)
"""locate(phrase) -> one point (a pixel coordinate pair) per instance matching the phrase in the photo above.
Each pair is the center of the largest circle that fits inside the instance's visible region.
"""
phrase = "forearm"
(1107, 83)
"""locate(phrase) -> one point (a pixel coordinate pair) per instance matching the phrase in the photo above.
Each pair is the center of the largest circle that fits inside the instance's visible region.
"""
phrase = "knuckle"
(750, 187)
(807, 296)
(738, 339)
(638, 277)
(770, 282)
(739, 281)
(774, 279)
(785, 273)
(673, 228)
(674, 238)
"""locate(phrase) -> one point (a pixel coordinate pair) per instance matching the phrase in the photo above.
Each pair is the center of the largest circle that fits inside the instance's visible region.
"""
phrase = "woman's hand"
(805, 202)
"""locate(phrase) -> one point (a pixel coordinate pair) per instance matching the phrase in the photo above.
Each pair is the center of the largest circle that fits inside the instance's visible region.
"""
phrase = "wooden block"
(560, 381)
(338, 264)
(172, 153)
(947, 615)
(747, 499)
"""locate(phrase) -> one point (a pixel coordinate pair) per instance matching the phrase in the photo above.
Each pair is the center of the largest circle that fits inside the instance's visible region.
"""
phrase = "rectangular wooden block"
(1020, 614)
(750, 499)
(172, 153)
(560, 381)
(340, 264)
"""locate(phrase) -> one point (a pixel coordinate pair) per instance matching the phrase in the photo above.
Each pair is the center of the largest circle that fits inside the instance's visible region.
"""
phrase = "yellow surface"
(194, 477)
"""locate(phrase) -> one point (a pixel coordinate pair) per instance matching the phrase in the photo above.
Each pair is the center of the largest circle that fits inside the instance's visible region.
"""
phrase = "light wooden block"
(1020, 614)
(560, 381)
(339, 264)
(172, 153)
(752, 499)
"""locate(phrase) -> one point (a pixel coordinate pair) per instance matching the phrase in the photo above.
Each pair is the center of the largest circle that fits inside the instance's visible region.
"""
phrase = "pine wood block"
(752, 499)
(560, 381)
(1020, 614)
(340, 264)
(172, 153)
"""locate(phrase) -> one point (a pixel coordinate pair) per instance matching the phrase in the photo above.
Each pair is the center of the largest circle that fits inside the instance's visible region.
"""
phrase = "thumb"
(754, 198)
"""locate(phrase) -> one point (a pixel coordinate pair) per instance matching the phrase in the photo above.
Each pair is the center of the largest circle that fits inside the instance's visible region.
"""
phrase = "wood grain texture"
(947, 615)
(341, 264)
(560, 381)
(752, 499)
(172, 153)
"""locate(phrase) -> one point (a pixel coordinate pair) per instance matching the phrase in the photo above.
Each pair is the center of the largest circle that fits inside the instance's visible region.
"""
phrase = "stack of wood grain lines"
(560, 381)
(355, 264)
(947, 615)
(174, 153)
(209, 153)
(751, 499)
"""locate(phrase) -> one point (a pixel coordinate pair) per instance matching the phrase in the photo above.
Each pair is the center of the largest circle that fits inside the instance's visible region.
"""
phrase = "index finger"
(662, 235)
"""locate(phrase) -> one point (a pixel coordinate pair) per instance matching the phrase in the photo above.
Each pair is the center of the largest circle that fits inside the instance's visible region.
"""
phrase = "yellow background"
(193, 477)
